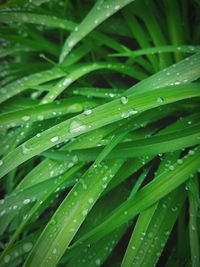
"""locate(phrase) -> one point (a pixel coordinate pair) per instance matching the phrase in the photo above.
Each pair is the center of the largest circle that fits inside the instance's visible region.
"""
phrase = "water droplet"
(67, 81)
(76, 127)
(26, 118)
(2, 212)
(180, 161)
(150, 235)
(193, 228)
(98, 262)
(40, 117)
(75, 158)
(54, 139)
(54, 251)
(90, 200)
(129, 113)
(117, 7)
(87, 112)
(174, 209)
(27, 246)
(7, 258)
(186, 188)
(160, 100)
(111, 95)
(167, 233)
(1, 162)
(191, 152)
(25, 149)
(171, 167)
(85, 212)
(26, 201)
(124, 100)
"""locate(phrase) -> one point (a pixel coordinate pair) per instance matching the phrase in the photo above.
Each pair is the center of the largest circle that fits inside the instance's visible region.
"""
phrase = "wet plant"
(100, 133)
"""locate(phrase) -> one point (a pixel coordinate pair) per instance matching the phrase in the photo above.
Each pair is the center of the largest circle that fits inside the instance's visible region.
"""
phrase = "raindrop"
(1, 162)
(90, 200)
(27, 247)
(160, 100)
(54, 251)
(180, 161)
(98, 262)
(150, 235)
(26, 118)
(87, 112)
(76, 127)
(124, 100)
(174, 209)
(191, 152)
(54, 139)
(85, 212)
(129, 113)
(26, 201)
(75, 158)
(25, 149)
(117, 7)
(40, 117)
(7, 258)
(2, 212)
(111, 95)
(171, 167)
(67, 81)
(193, 228)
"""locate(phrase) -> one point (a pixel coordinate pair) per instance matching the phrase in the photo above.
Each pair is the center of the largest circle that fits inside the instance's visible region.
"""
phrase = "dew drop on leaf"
(76, 127)
(85, 212)
(191, 152)
(7, 258)
(54, 139)
(26, 118)
(27, 246)
(124, 100)
(25, 149)
(26, 201)
(98, 262)
(174, 209)
(160, 100)
(54, 251)
(171, 167)
(180, 161)
(87, 112)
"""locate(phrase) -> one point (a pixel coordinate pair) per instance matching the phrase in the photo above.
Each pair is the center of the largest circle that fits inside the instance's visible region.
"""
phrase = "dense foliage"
(100, 133)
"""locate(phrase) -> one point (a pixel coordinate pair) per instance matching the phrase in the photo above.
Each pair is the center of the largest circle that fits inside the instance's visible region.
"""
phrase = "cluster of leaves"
(100, 133)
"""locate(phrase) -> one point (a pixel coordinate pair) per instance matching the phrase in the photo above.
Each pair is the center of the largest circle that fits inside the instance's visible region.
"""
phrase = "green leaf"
(67, 219)
(148, 195)
(103, 115)
(100, 12)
